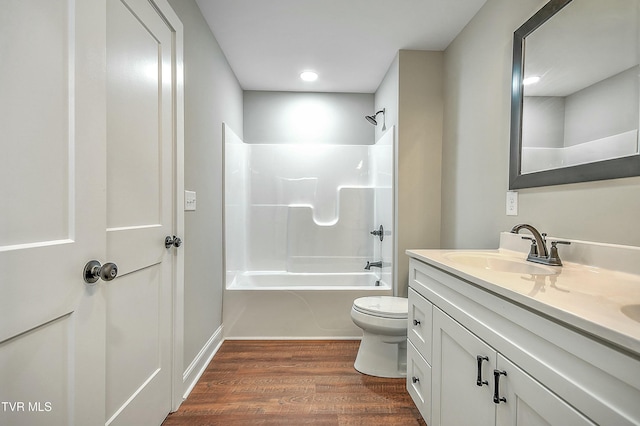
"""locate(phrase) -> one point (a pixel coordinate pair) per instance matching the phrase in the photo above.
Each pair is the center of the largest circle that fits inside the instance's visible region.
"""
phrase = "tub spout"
(373, 264)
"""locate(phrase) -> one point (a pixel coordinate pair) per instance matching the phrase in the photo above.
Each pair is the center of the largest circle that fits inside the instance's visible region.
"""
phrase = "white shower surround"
(297, 222)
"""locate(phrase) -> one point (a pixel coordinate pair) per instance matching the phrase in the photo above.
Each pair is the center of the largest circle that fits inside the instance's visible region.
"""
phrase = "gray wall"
(476, 150)
(386, 96)
(543, 121)
(411, 92)
(212, 95)
(418, 155)
(304, 117)
(606, 108)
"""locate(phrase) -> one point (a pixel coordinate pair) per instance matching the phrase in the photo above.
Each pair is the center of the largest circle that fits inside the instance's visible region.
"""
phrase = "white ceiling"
(349, 43)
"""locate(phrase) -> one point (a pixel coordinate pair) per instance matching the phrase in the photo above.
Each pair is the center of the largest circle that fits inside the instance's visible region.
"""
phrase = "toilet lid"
(383, 306)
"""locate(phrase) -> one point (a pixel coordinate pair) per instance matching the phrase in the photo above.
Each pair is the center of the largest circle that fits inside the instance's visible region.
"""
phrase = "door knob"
(172, 241)
(93, 270)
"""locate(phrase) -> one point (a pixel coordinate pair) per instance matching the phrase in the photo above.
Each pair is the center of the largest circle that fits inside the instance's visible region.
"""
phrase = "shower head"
(372, 118)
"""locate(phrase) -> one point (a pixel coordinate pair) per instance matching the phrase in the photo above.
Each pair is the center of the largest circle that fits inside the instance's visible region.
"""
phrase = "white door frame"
(175, 24)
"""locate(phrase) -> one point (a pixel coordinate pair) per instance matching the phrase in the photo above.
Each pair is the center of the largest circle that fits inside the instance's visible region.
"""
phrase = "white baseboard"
(199, 364)
(293, 338)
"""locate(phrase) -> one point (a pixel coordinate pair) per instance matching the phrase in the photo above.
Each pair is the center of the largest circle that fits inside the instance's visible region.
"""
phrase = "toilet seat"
(382, 306)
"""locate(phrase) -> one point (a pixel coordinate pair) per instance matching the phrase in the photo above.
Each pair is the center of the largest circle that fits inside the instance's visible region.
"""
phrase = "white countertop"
(592, 299)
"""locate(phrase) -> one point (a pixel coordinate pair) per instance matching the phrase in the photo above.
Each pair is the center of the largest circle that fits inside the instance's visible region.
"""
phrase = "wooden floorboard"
(307, 382)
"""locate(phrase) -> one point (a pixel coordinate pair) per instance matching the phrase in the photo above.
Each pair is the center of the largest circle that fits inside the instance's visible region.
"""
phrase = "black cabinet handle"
(479, 381)
(416, 322)
(496, 393)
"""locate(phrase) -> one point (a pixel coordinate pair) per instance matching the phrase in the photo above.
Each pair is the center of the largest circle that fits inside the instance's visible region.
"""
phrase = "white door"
(140, 171)
(52, 211)
(457, 398)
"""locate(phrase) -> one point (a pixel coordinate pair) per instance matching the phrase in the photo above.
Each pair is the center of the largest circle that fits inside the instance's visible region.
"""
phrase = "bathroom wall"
(609, 107)
(543, 123)
(597, 122)
(411, 91)
(301, 117)
(212, 95)
(476, 150)
(386, 96)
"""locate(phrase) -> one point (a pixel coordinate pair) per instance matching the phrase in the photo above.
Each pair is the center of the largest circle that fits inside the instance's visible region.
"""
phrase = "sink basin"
(632, 311)
(499, 263)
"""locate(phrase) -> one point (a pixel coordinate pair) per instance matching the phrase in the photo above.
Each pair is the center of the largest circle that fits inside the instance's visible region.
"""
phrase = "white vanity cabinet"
(547, 373)
(456, 398)
(419, 334)
(464, 385)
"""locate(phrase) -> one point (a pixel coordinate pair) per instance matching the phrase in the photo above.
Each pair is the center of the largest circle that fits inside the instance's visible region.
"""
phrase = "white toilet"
(383, 349)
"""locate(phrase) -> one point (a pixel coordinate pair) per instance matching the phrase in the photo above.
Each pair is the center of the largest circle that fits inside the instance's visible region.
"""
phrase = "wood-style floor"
(306, 382)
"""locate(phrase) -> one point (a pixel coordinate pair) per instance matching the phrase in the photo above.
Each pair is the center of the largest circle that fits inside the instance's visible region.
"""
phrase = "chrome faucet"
(373, 264)
(538, 252)
(539, 241)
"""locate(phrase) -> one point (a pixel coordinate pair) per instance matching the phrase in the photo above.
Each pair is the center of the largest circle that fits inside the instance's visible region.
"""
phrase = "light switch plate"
(512, 203)
(189, 200)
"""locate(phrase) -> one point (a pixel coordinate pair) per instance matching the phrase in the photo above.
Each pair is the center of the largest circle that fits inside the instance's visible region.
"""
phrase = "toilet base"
(382, 356)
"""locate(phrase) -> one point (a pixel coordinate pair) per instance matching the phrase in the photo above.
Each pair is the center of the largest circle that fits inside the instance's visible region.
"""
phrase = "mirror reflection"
(576, 92)
(581, 86)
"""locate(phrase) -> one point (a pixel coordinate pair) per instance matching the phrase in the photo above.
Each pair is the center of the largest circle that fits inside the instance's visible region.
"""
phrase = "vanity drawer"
(419, 328)
(419, 381)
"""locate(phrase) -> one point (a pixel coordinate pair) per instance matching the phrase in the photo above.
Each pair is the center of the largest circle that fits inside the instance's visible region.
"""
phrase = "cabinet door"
(528, 403)
(457, 399)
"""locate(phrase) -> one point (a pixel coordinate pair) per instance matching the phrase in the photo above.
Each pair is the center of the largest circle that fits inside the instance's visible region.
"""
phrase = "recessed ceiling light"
(309, 76)
(531, 80)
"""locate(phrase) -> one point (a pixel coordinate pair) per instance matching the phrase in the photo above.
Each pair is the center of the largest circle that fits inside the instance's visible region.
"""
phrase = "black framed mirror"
(578, 120)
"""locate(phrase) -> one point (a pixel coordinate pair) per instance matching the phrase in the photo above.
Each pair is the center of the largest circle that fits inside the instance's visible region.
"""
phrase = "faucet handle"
(378, 232)
(533, 251)
(554, 257)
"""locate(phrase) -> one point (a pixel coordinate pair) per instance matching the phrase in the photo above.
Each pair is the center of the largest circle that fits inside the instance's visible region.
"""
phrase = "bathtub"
(306, 281)
(271, 305)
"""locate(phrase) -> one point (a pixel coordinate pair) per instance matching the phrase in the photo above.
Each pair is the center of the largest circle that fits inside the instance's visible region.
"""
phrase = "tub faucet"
(373, 264)
(539, 252)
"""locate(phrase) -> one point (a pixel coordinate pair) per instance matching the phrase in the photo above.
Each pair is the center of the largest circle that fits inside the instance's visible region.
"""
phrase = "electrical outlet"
(189, 200)
(512, 203)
